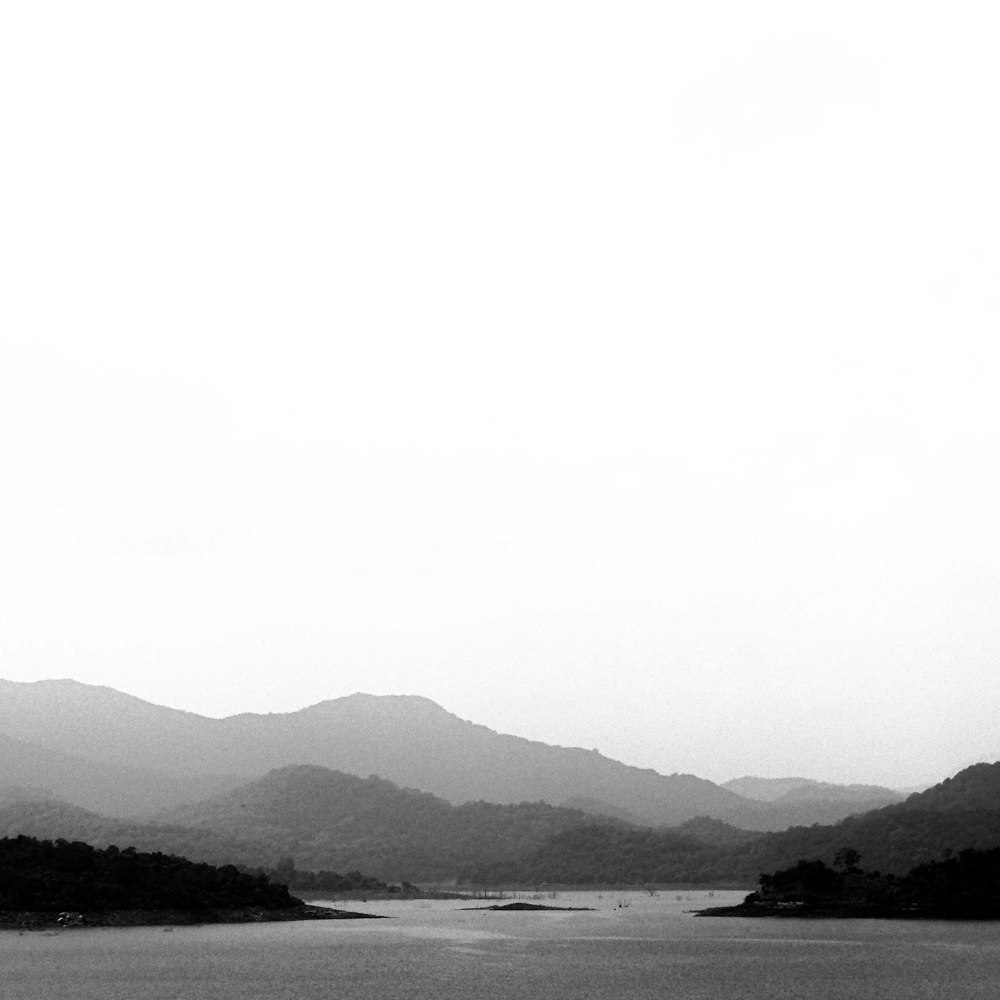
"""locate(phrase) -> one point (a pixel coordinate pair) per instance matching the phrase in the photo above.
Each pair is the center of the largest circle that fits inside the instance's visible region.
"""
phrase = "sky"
(620, 375)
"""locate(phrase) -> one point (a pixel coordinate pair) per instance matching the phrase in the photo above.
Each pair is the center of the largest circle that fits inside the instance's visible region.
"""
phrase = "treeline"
(962, 886)
(328, 881)
(528, 844)
(600, 853)
(480, 843)
(893, 839)
(328, 823)
(49, 818)
(55, 876)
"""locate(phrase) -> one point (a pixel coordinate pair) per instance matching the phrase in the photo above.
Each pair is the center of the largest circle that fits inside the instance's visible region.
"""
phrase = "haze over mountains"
(111, 752)
(399, 788)
(109, 788)
(788, 790)
(321, 820)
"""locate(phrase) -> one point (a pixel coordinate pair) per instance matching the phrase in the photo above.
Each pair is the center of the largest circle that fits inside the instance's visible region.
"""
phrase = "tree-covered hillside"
(962, 812)
(47, 876)
(602, 853)
(963, 886)
(327, 819)
(48, 818)
(315, 819)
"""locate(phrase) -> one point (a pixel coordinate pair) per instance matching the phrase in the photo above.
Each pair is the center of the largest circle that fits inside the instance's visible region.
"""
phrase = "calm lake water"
(647, 948)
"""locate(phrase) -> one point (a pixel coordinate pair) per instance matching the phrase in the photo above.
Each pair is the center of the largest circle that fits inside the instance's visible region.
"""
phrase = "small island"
(519, 907)
(46, 883)
(962, 886)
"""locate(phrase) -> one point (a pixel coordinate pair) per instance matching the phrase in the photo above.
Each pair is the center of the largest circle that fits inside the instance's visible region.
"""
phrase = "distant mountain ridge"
(52, 819)
(790, 790)
(405, 739)
(109, 788)
(960, 812)
(321, 820)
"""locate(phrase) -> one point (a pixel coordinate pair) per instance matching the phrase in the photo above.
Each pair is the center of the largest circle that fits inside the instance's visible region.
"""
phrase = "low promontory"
(58, 883)
(959, 886)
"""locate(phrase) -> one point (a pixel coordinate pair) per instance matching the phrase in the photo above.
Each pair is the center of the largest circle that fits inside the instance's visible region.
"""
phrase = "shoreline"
(30, 920)
(755, 911)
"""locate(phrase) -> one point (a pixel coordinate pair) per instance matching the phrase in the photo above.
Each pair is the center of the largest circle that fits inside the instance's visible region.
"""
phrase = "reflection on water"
(649, 948)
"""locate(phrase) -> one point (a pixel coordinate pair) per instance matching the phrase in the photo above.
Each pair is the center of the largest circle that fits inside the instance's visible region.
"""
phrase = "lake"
(633, 945)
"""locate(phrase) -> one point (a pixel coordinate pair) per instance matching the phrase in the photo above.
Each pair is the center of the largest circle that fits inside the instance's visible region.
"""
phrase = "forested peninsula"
(963, 886)
(44, 882)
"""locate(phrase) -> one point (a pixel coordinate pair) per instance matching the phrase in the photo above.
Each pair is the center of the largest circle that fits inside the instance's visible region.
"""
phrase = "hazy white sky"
(621, 375)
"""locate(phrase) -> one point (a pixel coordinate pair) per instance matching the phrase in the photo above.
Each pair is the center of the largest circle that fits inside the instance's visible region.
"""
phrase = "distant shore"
(518, 907)
(832, 910)
(432, 890)
(29, 920)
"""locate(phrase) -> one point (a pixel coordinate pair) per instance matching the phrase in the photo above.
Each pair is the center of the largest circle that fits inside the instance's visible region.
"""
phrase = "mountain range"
(316, 819)
(309, 817)
(399, 788)
(116, 754)
(796, 790)
(959, 813)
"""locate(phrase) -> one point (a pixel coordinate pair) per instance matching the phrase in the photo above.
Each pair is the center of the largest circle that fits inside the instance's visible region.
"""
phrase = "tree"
(847, 858)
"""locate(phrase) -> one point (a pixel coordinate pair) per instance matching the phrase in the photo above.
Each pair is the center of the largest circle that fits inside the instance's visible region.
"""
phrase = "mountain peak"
(389, 708)
(395, 700)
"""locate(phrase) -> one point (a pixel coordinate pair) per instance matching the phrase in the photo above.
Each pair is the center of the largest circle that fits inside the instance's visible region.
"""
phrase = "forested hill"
(965, 886)
(973, 789)
(49, 818)
(312, 818)
(316, 819)
(327, 819)
(47, 876)
(962, 812)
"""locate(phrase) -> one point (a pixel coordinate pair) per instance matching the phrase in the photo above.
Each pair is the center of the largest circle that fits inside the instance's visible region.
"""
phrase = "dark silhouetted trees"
(45, 875)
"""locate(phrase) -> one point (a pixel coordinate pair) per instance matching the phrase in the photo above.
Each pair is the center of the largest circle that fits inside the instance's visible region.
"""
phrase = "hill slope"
(326, 819)
(39, 875)
(53, 819)
(961, 812)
